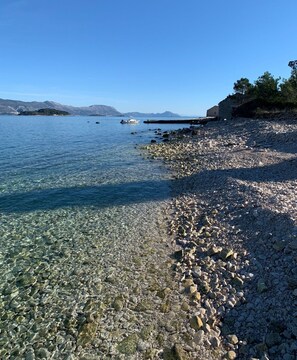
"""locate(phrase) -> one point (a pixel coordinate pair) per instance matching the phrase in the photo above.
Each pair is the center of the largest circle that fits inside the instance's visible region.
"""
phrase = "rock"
(231, 355)
(292, 282)
(232, 339)
(187, 283)
(205, 221)
(142, 346)
(261, 286)
(151, 354)
(163, 293)
(196, 296)
(199, 336)
(207, 328)
(204, 287)
(178, 255)
(118, 304)
(261, 348)
(26, 280)
(225, 254)
(192, 289)
(289, 357)
(237, 281)
(128, 346)
(143, 306)
(146, 332)
(293, 245)
(43, 353)
(279, 245)
(273, 339)
(196, 322)
(160, 339)
(86, 333)
(214, 250)
(215, 341)
(185, 306)
(175, 353)
(30, 355)
(110, 279)
(165, 307)
(179, 352)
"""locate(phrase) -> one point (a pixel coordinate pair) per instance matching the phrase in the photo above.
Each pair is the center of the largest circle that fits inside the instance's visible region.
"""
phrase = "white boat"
(129, 121)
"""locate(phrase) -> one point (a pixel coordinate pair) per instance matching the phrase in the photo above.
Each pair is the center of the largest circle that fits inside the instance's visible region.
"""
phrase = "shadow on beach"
(282, 141)
(266, 234)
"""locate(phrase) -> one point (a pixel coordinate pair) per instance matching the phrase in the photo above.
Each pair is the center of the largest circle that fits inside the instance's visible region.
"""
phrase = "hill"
(14, 107)
(164, 114)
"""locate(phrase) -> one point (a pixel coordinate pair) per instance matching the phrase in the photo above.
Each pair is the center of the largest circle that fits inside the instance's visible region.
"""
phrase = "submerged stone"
(175, 353)
(118, 304)
(163, 293)
(146, 332)
(261, 286)
(86, 334)
(143, 306)
(26, 280)
(128, 346)
(165, 307)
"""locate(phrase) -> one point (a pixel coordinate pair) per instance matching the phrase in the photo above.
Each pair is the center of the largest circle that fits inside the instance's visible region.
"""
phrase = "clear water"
(77, 200)
(52, 162)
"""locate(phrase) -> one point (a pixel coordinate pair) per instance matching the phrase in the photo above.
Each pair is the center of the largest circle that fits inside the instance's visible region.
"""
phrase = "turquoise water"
(51, 162)
(77, 202)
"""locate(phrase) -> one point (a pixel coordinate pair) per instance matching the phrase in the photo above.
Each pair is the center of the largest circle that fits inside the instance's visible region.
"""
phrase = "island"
(46, 112)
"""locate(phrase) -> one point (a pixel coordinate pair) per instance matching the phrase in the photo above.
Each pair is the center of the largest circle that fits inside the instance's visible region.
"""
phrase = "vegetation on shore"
(267, 95)
(47, 112)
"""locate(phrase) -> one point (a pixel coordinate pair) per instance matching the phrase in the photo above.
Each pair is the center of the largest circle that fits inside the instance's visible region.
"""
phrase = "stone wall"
(226, 106)
(213, 111)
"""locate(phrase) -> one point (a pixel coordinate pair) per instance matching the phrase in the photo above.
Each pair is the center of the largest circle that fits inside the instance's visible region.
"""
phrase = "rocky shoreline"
(233, 217)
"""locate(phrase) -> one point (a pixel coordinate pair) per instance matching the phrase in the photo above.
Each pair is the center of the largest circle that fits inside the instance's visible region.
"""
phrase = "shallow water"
(81, 219)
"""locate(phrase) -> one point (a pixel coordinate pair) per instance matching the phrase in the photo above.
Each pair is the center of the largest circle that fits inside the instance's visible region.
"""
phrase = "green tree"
(289, 88)
(242, 86)
(267, 87)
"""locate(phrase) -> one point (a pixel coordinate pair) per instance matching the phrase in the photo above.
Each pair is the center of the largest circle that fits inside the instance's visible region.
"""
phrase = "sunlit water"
(77, 198)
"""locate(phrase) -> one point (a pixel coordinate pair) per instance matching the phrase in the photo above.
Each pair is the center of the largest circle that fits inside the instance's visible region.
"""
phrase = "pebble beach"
(233, 219)
(199, 262)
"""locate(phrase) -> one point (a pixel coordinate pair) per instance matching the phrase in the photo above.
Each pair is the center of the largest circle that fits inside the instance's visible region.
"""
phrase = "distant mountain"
(164, 114)
(103, 110)
(15, 107)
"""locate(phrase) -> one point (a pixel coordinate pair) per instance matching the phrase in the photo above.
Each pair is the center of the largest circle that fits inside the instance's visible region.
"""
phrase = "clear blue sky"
(142, 55)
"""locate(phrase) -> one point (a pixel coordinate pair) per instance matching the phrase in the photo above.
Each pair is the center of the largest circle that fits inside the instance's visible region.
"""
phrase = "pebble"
(231, 355)
(238, 224)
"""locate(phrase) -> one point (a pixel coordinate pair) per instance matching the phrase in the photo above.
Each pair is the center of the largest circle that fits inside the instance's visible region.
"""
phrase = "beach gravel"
(233, 216)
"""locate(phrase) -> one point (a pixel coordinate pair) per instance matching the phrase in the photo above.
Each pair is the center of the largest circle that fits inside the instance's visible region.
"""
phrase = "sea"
(78, 196)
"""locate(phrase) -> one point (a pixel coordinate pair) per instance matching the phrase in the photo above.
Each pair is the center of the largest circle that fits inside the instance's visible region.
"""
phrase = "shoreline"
(234, 219)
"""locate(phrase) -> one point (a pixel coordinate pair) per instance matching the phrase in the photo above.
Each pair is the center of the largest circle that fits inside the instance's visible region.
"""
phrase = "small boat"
(129, 121)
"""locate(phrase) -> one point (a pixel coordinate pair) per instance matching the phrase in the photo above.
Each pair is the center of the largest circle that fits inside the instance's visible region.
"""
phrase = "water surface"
(78, 207)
